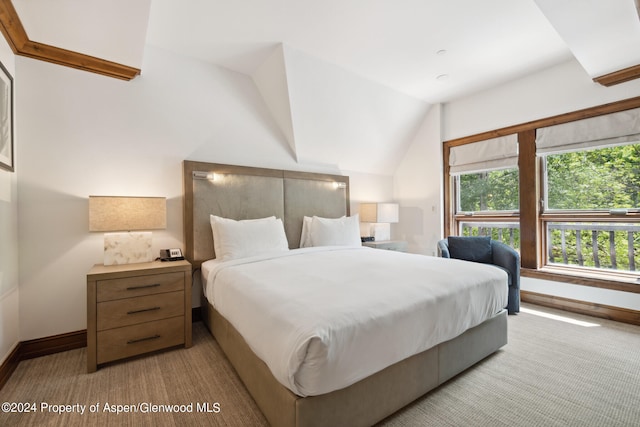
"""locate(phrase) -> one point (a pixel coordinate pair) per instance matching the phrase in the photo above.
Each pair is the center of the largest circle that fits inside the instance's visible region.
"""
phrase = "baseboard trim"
(50, 345)
(40, 347)
(9, 365)
(54, 344)
(602, 311)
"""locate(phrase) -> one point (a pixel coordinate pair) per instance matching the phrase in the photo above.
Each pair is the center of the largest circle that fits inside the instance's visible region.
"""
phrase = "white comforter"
(325, 318)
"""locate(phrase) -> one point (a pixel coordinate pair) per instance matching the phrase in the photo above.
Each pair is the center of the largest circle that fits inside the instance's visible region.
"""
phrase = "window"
(489, 196)
(591, 195)
(598, 179)
(579, 211)
(603, 182)
(485, 182)
(491, 191)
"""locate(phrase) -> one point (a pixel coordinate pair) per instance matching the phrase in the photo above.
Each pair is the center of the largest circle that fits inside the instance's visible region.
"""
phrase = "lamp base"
(381, 231)
(127, 248)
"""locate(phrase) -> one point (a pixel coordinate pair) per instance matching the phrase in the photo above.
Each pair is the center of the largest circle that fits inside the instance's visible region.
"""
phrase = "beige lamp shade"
(108, 213)
(127, 216)
(379, 212)
(380, 215)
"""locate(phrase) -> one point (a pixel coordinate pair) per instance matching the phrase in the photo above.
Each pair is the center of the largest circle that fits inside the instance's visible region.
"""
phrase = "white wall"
(9, 319)
(627, 300)
(84, 134)
(418, 188)
(366, 187)
(557, 90)
(340, 118)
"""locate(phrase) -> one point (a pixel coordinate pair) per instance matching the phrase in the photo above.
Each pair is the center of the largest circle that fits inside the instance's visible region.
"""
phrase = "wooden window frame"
(532, 219)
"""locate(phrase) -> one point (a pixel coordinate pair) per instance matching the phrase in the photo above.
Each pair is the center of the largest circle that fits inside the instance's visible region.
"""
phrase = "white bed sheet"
(325, 318)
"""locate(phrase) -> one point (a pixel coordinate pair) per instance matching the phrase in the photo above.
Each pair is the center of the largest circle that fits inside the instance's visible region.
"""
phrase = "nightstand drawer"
(129, 341)
(117, 313)
(134, 286)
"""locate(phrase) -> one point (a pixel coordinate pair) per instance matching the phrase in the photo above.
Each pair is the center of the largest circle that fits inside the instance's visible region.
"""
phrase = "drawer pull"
(133, 288)
(143, 310)
(153, 337)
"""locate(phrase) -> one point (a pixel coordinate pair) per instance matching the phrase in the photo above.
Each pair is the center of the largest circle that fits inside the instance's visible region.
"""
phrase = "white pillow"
(305, 237)
(343, 231)
(240, 239)
(217, 247)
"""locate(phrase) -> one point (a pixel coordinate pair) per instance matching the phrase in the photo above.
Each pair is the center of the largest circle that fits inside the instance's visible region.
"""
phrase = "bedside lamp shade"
(379, 212)
(126, 214)
(380, 215)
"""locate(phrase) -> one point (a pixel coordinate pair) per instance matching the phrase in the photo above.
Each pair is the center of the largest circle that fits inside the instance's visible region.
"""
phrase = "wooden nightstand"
(137, 308)
(390, 245)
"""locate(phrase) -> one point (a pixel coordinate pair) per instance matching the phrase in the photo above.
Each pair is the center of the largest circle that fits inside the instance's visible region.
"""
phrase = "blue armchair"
(485, 250)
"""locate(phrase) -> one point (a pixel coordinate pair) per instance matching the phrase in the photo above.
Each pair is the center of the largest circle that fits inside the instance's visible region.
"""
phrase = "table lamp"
(380, 216)
(123, 218)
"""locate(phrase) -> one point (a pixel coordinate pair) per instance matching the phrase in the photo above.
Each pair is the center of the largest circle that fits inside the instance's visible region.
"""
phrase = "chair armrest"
(507, 258)
(443, 249)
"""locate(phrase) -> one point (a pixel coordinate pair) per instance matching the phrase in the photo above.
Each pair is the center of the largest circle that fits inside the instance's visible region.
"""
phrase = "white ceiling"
(391, 42)
(604, 35)
(114, 29)
(350, 81)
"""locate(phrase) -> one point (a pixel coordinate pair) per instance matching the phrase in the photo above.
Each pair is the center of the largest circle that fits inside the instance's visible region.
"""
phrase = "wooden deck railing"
(505, 232)
(612, 246)
(595, 245)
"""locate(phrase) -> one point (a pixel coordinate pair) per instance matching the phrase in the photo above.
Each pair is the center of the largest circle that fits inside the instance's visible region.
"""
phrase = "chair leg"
(513, 306)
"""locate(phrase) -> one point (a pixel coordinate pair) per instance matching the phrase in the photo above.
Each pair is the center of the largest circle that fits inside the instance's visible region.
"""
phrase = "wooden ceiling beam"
(620, 76)
(17, 38)
(624, 75)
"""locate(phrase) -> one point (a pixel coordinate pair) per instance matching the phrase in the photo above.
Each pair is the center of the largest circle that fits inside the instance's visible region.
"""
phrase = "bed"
(352, 390)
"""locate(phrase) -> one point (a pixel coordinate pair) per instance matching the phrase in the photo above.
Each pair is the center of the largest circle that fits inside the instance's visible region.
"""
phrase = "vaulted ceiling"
(351, 64)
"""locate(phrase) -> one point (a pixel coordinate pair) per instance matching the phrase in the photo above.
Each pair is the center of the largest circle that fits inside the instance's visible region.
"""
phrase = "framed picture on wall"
(6, 120)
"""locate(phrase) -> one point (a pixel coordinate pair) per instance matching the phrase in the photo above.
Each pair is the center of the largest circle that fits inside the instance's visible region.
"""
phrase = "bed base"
(367, 401)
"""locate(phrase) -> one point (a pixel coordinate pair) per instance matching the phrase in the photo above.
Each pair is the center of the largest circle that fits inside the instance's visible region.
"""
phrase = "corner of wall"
(418, 186)
(9, 291)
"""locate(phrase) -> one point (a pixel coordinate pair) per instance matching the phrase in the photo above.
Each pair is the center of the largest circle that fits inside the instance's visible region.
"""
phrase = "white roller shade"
(610, 129)
(482, 156)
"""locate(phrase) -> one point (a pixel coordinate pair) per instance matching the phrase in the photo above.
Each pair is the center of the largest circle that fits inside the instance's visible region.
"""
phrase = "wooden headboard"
(240, 192)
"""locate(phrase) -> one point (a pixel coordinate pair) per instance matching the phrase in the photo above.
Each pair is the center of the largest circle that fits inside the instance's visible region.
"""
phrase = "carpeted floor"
(552, 373)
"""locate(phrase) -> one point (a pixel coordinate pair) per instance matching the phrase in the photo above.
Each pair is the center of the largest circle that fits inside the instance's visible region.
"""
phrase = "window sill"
(614, 281)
